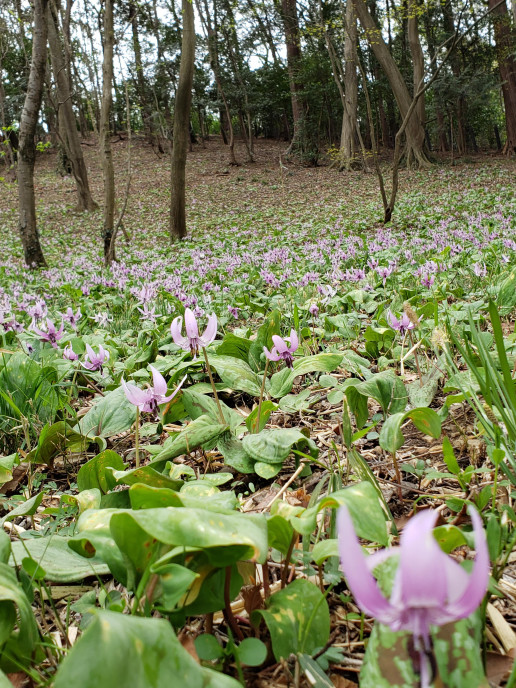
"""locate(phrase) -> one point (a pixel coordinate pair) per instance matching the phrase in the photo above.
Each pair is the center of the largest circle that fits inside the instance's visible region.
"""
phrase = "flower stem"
(262, 390)
(417, 360)
(137, 438)
(208, 368)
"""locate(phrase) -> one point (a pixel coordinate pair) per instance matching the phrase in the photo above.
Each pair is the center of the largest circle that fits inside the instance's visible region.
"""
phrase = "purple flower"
(430, 588)
(402, 325)
(71, 317)
(94, 361)
(70, 354)
(148, 400)
(50, 334)
(282, 350)
(427, 280)
(193, 341)
(313, 310)
(233, 310)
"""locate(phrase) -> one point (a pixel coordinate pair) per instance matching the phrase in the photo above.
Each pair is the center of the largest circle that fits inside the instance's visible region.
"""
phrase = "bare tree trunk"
(415, 134)
(455, 63)
(293, 44)
(349, 116)
(67, 124)
(181, 124)
(105, 135)
(211, 29)
(418, 62)
(5, 141)
(505, 50)
(27, 149)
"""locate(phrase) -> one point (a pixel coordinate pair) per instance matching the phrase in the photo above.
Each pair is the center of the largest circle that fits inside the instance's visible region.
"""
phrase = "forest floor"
(272, 202)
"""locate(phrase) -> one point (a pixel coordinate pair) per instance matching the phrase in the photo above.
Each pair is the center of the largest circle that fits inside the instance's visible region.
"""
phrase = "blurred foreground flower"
(281, 350)
(50, 334)
(193, 341)
(148, 400)
(430, 588)
(94, 361)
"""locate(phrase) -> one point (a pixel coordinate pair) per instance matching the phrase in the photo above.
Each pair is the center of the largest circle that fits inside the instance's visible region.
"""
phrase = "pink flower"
(70, 354)
(430, 588)
(193, 341)
(282, 350)
(148, 400)
(404, 324)
(50, 334)
(94, 361)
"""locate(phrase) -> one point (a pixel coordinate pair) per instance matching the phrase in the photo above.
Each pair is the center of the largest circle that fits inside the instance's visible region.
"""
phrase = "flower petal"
(158, 382)
(422, 562)
(271, 355)
(479, 577)
(294, 341)
(280, 344)
(137, 396)
(175, 331)
(210, 332)
(360, 580)
(191, 327)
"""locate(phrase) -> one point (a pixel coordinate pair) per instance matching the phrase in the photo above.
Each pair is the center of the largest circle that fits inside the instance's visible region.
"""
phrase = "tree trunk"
(349, 116)
(455, 62)
(505, 51)
(181, 124)
(67, 123)
(418, 62)
(141, 86)
(105, 135)
(293, 44)
(27, 149)
(415, 133)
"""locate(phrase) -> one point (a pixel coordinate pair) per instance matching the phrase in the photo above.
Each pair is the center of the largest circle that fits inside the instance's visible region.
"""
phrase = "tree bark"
(505, 51)
(181, 124)
(67, 123)
(293, 45)
(32, 250)
(418, 61)
(349, 116)
(415, 134)
(105, 135)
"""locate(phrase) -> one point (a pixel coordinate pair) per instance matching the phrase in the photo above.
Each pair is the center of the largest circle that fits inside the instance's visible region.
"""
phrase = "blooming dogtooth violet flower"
(281, 350)
(193, 341)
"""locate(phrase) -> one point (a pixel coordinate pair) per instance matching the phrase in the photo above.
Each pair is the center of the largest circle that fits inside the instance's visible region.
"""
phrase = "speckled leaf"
(112, 414)
(121, 650)
(388, 664)
(298, 619)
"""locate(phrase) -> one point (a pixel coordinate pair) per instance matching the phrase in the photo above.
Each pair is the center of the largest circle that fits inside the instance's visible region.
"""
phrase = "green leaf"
(387, 389)
(146, 497)
(60, 563)
(449, 457)
(274, 445)
(319, 363)
(363, 504)
(237, 347)
(235, 455)
(146, 475)
(298, 619)
(200, 404)
(121, 650)
(54, 440)
(267, 470)
(325, 549)
(313, 672)
(6, 467)
(200, 431)
(252, 652)
(208, 647)
(266, 409)
(27, 508)
(20, 643)
(93, 473)
(236, 374)
(426, 420)
(111, 415)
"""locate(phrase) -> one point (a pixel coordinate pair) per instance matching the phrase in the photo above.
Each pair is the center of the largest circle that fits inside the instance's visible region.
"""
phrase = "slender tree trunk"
(27, 149)
(293, 44)
(455, 63)
(505, 51)
(105, 134)
(418, 62)
(349, 116)
(181, 123)
(141, 86)
(67, 124)
(5, 141)
(415, 134)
